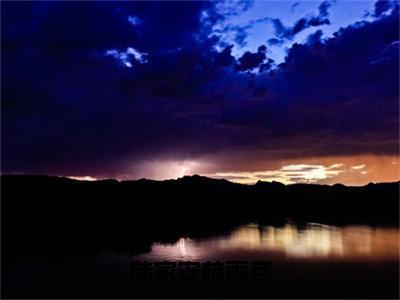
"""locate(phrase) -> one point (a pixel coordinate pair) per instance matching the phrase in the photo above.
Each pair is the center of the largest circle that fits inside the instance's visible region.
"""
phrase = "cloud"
(323, 9)
(358, 167)
(249, 60)
(134, 20)
(383, 6)
(67, 108)
(225, 58)
(126, 57)
(217, 19)
(284, 33)
(228, 8)
(294, 5)
(295, 173)
(236, 33)
(321, 170)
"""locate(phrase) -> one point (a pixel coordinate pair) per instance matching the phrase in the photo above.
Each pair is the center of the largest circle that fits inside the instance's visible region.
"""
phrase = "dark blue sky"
(275, 90)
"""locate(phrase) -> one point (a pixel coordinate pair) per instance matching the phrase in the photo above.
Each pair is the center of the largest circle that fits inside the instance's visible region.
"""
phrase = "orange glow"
(83, 178)
(348, 170)
(248, 169)
(313, 242)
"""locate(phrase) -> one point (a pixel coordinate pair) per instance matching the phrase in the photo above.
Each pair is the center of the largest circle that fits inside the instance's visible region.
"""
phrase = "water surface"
(310, 261)
(289, 242)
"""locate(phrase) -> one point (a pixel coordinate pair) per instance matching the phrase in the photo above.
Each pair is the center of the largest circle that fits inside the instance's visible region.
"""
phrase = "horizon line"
(93, 179)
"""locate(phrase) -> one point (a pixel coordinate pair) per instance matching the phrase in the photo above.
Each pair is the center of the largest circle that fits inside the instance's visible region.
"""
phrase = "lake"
(310, 242)
(308, 261)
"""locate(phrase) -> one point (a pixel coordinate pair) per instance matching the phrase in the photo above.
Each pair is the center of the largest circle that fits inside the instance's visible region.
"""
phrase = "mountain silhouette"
(44, 215)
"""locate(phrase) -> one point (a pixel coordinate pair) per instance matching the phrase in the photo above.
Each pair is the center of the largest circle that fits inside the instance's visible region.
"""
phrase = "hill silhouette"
(56, 216)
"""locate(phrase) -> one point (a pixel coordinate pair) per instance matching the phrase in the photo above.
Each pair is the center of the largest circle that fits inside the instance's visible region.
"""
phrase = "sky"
(288, 91)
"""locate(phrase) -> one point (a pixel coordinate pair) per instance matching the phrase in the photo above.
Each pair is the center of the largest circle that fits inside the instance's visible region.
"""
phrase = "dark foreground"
(68, 239)
(87, 279)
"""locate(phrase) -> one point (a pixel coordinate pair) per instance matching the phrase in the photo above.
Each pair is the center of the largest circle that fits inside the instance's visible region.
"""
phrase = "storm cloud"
(284, 33)
(77, 100)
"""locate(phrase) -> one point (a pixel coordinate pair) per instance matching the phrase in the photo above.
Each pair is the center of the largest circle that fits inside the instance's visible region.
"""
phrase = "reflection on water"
(313, 241)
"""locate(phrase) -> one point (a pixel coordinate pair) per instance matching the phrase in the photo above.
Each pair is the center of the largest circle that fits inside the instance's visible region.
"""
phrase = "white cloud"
(293, 173)
(134, 20)
(125, 57)
(139, 56)
(358, 167)
(83, 178)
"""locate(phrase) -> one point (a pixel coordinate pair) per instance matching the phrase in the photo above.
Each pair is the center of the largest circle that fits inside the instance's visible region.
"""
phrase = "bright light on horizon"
(83, 178)
(352, 171)
(287, 174)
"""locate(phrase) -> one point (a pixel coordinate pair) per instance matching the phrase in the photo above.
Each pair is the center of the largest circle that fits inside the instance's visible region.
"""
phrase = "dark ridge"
(194, 179)
(55, 216)
(269, 184)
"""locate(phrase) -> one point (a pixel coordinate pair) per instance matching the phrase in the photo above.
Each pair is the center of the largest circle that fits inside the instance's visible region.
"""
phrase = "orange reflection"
(312, 242)
(318, 241)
